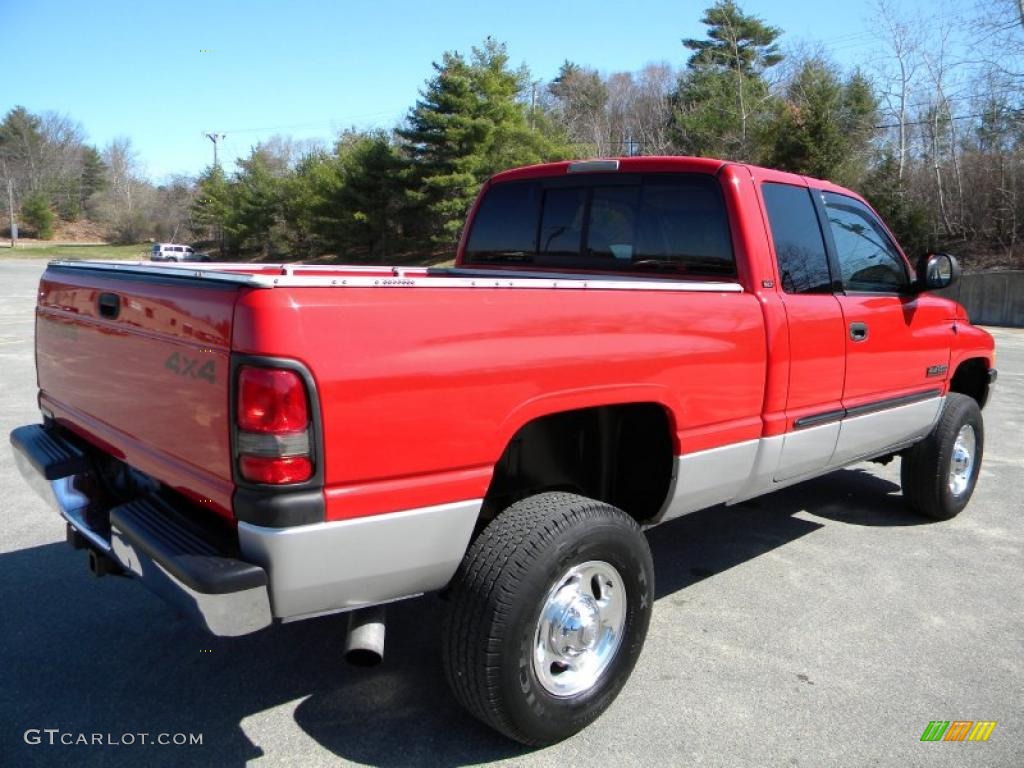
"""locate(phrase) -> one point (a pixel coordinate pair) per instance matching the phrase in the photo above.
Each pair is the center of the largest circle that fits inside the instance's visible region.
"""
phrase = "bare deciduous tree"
(898, 73)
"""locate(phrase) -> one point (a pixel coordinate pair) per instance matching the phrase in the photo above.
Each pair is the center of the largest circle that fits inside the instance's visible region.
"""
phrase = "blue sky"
(309, 68)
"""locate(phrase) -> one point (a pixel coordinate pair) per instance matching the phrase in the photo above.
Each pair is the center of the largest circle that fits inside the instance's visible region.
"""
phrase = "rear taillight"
(276, 471)
(271, 400)
(272, 415)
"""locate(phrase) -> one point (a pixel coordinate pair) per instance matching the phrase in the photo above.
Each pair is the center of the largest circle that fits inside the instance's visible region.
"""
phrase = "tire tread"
(483, 592)
(924, 467)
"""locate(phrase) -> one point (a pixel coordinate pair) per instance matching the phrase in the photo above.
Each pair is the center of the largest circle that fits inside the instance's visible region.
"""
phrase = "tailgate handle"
(109, 304)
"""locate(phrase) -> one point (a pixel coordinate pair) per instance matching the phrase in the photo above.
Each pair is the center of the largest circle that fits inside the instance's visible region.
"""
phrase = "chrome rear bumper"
(263, 573)
(148, 539)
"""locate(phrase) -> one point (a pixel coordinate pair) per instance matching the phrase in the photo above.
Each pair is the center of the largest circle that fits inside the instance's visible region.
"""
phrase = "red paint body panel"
(420, 388)
(906, 335)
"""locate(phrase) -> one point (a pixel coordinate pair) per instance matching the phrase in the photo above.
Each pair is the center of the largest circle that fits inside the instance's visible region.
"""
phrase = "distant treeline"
(936, 143)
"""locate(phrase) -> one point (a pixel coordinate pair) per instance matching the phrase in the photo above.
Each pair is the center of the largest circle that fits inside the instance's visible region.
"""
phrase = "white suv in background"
(172, 252)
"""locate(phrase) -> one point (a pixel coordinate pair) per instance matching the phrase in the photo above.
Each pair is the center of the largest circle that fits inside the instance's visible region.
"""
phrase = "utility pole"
(215, 137)
(10, 208)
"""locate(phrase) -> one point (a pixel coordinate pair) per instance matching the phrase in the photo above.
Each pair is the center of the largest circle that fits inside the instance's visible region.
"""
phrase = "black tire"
(495, 604)
(925, 469)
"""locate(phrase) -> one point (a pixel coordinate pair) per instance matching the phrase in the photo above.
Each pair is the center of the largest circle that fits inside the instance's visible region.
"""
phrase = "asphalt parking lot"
(821, 625)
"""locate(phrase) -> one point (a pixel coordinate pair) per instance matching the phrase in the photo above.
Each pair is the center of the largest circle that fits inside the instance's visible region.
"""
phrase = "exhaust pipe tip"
(364, 645)
(363, 657)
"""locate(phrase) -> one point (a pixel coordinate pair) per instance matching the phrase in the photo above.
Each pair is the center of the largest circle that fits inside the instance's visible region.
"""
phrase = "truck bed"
(423, 376)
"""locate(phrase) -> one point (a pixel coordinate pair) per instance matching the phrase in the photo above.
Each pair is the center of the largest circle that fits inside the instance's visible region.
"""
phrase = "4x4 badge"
(190, 366)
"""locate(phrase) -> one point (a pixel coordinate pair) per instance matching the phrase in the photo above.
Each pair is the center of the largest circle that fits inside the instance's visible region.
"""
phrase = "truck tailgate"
(140, 366)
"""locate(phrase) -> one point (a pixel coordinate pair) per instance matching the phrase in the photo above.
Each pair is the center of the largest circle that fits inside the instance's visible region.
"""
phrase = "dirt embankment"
(83, 232)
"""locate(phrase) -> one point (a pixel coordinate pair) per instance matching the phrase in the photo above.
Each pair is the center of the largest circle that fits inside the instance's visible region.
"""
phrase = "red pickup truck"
(619, 343)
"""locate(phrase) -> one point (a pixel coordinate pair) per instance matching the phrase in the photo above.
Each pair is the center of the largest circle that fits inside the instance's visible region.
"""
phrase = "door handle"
(859, 331)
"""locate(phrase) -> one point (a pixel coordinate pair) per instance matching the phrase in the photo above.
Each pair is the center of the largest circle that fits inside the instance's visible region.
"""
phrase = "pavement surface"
(821, 625)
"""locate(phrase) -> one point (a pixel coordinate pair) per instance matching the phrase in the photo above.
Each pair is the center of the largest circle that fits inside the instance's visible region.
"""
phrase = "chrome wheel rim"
(961, 463)
(580, 628)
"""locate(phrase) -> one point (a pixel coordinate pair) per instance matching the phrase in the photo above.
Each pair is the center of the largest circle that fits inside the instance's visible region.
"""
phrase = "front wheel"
(939, 473)
(547, 616)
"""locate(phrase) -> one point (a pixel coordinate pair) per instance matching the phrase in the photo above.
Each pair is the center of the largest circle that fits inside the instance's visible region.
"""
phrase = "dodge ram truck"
(620, 342)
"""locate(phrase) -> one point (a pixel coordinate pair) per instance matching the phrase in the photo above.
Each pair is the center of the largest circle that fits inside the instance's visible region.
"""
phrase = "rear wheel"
(547, 616)
(939, 473)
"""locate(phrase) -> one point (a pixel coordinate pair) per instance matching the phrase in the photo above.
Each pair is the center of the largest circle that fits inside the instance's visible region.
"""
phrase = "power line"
(319, 124)
(1015, 112)
(950, 98)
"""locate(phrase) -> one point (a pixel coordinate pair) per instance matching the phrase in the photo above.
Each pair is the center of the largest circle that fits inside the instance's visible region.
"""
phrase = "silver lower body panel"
(347, 564)
(735, 473)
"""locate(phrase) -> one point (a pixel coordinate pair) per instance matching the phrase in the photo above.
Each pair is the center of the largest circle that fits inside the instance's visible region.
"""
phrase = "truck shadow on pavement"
(107, 657)
(713, 540)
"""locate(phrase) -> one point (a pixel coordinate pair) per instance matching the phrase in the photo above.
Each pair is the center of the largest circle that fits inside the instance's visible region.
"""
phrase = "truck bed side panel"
(422, 388)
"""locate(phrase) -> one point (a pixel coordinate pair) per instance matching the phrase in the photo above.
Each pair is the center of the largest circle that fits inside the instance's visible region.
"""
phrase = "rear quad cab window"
(799, 247)
(665, 224)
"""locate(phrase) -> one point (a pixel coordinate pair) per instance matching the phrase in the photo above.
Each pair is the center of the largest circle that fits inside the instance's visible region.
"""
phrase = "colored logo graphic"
(958, 730)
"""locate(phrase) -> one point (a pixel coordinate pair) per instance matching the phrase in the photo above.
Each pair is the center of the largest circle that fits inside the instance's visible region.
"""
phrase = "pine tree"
(93, 178)
(364, 210)
(303, 205)
(722, 101)
(21, 142)
(257, 203)
(824, 125)
(212, 206)
(37, 214)
(469, 123)
(736, 42)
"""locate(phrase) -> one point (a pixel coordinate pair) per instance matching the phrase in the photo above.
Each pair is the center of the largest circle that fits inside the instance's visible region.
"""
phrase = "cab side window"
(868, 259)
(799, 247)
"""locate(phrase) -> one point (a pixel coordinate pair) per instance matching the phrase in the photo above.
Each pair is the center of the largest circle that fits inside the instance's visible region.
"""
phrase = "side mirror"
(936, 271)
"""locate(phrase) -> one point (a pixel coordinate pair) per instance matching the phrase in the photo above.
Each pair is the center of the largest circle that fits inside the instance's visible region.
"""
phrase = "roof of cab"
(625, 165)
(652, 164)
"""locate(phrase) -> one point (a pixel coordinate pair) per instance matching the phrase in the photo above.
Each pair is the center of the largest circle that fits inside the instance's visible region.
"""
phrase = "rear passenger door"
(816, 328)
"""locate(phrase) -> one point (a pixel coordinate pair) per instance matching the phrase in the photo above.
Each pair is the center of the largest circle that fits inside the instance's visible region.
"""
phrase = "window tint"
(799, 247)
(613, 213)
(561, 223)
(683, 223)
(868, 260)
(662, 223)
(505, 224)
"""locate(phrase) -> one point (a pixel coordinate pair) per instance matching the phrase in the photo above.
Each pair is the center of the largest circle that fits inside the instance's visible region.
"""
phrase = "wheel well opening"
(971, 379)
(619, 454)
